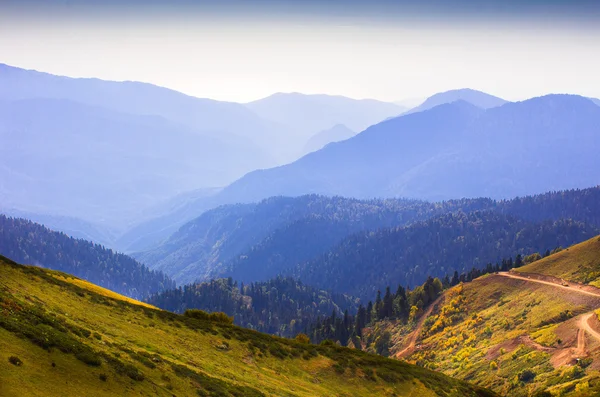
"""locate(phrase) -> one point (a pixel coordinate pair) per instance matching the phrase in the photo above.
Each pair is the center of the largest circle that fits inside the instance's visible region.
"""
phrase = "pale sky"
(238, 52)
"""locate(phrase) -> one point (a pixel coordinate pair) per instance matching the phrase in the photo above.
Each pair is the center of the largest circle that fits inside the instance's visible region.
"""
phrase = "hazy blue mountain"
(451, 151)
(205, 115)
(307, 115)
(65, 158)
(596, 101)
(474, 97)
(410, 103)
(338, 132)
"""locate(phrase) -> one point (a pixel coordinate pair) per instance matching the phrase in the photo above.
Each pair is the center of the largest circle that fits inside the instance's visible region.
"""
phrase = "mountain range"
(308, 115)
(116, 134)
(451, 151)
(252, 242)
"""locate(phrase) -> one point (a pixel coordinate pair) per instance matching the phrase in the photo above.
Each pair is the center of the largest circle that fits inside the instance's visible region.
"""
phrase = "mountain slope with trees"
(31, 243)
(259, 241)
(369, 261)
(281, 306)
(278, 230)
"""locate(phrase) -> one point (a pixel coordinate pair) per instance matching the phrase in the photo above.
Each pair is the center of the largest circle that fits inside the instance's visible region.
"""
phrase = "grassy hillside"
(517, 334)
(62, 336)
(580, 263)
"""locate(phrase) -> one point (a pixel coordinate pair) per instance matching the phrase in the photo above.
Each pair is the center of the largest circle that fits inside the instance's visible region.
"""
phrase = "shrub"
(14, 360)
(584, 362)
(526, 375)
(103, 377)
(89, 357)
(302, 338)
(493, 365)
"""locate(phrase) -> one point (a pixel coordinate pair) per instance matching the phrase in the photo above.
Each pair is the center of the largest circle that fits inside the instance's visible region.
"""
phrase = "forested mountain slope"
(258, 241)
(277, 229)
(80, 339)
(281, 306)
(34, 244)
(366, 262)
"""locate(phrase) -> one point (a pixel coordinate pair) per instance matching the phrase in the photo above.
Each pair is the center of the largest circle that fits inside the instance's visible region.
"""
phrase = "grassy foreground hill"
(60, 335)
(579, 263)
(519, 333)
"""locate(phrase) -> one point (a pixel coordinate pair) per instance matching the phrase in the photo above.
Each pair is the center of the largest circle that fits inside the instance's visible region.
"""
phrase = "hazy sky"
(241, 50)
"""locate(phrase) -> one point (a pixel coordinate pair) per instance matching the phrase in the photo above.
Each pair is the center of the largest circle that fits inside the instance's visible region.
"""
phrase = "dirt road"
(583, 325)
(570, 287)
(408, 350)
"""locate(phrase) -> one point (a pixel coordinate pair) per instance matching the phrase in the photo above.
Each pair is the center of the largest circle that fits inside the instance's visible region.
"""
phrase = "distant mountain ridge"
(474, 97)
(307, 115)
(316, 112)
(451, 151)
(66, 158)
(338, 132)
(138, 98)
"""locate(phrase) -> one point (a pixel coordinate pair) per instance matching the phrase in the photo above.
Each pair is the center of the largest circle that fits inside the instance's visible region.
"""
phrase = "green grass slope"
(579, 263)
(515, 333)
(61, 336)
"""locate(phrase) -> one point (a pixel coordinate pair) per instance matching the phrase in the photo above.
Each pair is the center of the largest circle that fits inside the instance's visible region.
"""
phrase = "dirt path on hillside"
(583, 324)
(568, 287)
(580, 341)
(408, 350)
(587, 327)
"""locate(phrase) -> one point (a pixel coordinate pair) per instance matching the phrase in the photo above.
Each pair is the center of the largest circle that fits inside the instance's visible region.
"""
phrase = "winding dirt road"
(410, 348)
(568, 287)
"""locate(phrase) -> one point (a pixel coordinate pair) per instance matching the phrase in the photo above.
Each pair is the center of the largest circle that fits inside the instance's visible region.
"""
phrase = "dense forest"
(281, 306)
(30, 243)
(404, 305)
(254, 242)
(365, 262)
(204, 248)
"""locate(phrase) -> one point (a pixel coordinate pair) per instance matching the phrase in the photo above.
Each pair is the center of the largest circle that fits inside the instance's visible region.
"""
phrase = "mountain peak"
(477, 98)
